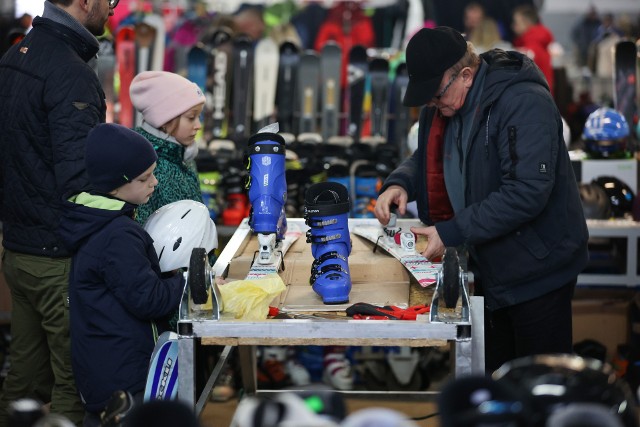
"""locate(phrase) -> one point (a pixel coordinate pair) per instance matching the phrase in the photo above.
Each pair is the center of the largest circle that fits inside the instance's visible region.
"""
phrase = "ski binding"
(402, 245)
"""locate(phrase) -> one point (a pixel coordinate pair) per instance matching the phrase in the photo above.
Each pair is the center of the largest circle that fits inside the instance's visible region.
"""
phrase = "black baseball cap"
(430, 53)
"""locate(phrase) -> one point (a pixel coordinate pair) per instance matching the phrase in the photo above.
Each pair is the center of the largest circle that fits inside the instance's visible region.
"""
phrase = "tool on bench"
(366, 311)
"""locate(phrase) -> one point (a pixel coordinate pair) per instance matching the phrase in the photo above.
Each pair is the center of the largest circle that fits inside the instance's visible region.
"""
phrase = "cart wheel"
(451, 277)
(198, 264)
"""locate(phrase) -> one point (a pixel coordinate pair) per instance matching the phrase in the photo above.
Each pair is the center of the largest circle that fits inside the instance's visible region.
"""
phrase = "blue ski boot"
(326, 211)
(267, 187)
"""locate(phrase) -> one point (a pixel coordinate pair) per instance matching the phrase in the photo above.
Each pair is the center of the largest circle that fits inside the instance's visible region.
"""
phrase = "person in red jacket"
(533, 38)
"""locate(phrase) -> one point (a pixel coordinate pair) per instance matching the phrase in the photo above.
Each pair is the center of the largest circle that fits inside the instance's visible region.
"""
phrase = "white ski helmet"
(179, 227)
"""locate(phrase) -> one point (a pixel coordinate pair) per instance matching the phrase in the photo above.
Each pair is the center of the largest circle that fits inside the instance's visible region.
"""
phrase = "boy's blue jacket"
(115, 291)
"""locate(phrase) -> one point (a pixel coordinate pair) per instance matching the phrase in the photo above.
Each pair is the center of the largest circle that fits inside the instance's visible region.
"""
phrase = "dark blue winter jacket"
(50, 99)
(522, 218)
(115, 292)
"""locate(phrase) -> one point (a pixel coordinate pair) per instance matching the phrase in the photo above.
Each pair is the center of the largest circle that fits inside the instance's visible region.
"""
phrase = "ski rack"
(462, 311)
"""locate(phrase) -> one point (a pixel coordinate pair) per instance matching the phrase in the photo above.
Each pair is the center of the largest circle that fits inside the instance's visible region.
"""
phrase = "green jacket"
(176, 179)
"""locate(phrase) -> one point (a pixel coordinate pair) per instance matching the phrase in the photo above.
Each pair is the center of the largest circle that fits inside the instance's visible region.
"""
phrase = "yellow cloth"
(250, 299)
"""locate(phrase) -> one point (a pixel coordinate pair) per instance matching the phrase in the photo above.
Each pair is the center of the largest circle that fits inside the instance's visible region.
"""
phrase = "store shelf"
(623, 229)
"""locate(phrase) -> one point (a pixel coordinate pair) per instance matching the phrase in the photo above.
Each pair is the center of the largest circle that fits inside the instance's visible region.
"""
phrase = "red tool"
(366, 311)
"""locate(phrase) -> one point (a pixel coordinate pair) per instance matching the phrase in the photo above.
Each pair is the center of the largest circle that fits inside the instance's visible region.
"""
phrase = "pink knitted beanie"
(162, 96)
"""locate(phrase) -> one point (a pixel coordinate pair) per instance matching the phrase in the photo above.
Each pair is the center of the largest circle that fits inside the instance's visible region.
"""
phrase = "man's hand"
(394, 195)
(435, 248)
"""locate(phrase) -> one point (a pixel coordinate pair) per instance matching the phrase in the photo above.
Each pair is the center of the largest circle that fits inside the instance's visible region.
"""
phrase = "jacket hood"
(537, 35)
(508, 68)
(84, 214)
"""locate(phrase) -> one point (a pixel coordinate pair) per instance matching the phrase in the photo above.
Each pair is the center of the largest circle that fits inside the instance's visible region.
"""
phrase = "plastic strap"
(322, 239)
(326, 256)
(314, 223)
(326, 269)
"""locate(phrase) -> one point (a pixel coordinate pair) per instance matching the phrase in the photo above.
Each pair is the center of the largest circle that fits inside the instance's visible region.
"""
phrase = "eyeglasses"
(446, 87)
(113, 3)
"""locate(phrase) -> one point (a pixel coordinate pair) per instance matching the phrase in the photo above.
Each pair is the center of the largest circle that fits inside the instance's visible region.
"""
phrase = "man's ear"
(467, 76)
(85, 5)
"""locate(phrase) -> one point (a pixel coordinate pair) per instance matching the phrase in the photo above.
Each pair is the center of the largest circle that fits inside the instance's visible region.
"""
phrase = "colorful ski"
(126, 58)
(145, 38)
(379, 77)
(330, 68)
(400, 244)
(258, 270)
(162, 378)
(265, 80)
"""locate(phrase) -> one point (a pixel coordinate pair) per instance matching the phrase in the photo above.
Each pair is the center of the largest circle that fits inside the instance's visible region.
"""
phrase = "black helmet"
(555, 381)
(595, 202)
(474, 400)
(620, 195)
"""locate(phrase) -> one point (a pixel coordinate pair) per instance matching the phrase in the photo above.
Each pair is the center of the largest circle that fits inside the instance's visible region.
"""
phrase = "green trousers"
(40, 352)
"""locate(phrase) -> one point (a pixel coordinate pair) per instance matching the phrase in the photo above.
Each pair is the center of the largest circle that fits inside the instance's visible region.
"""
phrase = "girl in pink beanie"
(170, 106)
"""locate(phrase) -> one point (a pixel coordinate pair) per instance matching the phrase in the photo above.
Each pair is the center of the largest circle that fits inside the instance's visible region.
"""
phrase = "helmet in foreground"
(556, 381)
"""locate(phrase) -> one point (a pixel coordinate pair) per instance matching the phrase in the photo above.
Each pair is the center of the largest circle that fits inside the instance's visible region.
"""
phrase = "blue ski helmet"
(605, 134)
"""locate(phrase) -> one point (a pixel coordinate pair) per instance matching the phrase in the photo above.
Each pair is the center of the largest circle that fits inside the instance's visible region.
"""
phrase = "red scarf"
(439, 205)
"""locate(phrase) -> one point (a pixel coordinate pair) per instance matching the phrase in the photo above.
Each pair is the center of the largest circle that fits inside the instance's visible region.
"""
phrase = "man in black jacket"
(49, 100)
(492, 175)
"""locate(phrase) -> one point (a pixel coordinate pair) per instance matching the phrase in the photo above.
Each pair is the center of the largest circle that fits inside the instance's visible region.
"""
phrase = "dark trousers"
(40, 344)
(539, 326)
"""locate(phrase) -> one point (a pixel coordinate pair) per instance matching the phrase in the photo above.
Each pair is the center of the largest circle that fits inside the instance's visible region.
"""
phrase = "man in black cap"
(491, 175)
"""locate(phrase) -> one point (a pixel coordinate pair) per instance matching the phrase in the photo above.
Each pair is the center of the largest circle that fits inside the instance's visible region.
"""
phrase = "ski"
(197, 73)
(242, 78)
(379, 78)
(157, 22)
(126, 58)
(145, 38)
(401, 245)
(259, 270)
(106, 66)
(330, 68)
(356, 79)
(624, 80)
(265, 80)
(162, 378)
(222, 67)
(286, 88)
(402, 119)
(308, 84)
